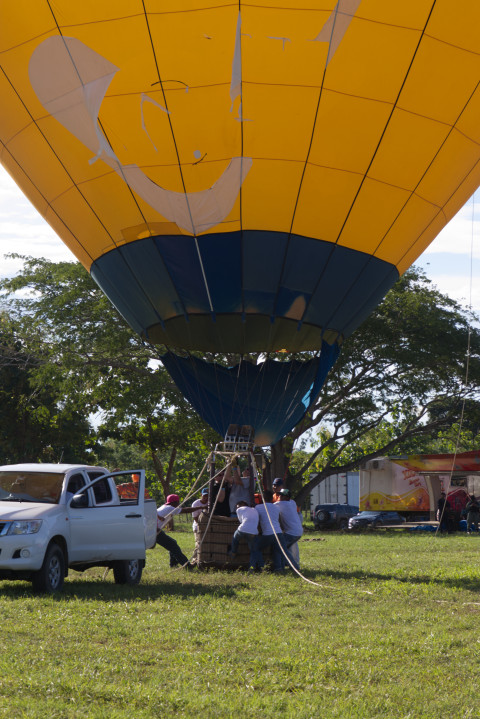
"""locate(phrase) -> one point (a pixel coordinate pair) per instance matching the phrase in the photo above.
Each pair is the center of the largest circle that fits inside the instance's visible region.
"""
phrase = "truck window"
(31, 486)
(101, 489)
(102, 492)
(75, 484)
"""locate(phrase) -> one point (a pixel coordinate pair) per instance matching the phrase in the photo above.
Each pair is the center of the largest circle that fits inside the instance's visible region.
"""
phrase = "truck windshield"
(30, 486)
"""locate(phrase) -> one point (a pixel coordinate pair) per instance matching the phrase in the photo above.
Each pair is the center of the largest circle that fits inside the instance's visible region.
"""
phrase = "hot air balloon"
(243, 178)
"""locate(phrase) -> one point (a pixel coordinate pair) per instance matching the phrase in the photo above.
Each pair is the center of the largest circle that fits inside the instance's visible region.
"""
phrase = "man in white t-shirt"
(248, 529)
(164, 514)
(271, 535)
(290, 522)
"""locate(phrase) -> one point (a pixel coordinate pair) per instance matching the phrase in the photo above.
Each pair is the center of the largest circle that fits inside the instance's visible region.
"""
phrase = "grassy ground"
(390, 632)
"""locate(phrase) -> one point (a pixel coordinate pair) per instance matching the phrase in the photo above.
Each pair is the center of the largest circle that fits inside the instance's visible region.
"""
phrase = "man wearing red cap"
(164, 514)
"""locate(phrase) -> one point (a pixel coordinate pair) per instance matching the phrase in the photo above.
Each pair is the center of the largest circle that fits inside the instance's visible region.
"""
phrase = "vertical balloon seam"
(176, 150)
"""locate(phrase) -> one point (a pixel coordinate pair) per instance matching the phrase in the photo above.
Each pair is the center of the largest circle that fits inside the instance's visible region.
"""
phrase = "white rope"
(227, 455)
(280, 545)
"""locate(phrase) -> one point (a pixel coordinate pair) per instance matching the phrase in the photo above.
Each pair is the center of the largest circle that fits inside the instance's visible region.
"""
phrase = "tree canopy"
(400, 384)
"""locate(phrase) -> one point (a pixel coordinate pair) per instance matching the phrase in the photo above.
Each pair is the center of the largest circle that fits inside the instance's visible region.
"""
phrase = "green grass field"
(392, 631)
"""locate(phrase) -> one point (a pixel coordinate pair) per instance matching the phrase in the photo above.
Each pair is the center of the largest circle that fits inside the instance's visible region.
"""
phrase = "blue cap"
(204, 490)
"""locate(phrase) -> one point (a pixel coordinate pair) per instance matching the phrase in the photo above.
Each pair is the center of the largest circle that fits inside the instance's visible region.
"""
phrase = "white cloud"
(452, 261)
(461, 235)
(23, 230)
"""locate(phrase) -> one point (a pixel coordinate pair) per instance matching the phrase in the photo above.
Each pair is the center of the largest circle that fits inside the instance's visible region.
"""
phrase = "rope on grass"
(305, 579)
(259, 485)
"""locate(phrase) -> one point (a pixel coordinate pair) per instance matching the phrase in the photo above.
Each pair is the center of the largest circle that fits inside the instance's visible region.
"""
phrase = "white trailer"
(341, 488)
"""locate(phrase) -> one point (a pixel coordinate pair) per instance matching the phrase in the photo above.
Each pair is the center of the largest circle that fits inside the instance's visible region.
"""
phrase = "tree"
(102, 366)
(35, 422)
(400, 378)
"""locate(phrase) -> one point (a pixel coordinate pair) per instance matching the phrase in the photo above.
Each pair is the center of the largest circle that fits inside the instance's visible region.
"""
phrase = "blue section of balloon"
(266, 290)
(272, 397)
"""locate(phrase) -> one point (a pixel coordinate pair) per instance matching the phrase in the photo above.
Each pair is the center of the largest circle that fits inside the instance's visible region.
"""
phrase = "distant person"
(473, 514)
(240, 489)
(444, 510)
(200, 505)
(221, 496)
(277, 485)
(164, 514)
(269, 514)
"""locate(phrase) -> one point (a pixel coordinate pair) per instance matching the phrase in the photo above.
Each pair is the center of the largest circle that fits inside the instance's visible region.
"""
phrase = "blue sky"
(450, 261)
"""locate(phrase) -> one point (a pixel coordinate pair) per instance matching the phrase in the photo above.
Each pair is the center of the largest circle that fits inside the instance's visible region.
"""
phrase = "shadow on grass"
(105, 590)
(468, 583)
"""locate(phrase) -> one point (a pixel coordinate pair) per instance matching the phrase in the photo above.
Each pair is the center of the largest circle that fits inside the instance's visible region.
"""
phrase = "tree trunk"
(279, 460)
(157, 463)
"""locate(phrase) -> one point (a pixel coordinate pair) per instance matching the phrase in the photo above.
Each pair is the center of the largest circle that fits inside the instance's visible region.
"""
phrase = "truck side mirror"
(79, 501)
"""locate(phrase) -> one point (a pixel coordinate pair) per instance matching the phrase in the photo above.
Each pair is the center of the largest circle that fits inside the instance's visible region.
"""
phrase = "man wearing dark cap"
(291, 523)
(277, 485)
(473, 514)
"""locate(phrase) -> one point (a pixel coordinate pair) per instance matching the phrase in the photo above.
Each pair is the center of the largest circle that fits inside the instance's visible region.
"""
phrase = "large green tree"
(104, 369)
(35, 421)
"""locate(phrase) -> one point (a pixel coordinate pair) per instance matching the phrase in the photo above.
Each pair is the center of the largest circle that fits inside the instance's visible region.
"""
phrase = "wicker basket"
(215, 542)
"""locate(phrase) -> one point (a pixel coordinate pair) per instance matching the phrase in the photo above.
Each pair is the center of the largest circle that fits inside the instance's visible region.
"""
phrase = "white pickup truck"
(59, 516)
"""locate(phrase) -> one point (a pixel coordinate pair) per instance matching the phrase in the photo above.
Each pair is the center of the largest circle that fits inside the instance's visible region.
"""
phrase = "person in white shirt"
(164, 514)
(248, 529)
(200, 505)
(269, 514)
(290, 522)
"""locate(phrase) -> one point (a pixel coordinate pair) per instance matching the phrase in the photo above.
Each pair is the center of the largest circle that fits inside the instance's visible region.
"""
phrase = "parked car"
(332, 515)
(370, 520)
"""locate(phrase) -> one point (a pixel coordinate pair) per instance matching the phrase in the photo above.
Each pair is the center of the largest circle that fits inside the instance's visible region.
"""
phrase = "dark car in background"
(332, 515)
(370, 520)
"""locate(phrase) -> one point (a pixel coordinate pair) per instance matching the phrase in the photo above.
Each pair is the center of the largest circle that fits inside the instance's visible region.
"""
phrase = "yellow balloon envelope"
(242, 177)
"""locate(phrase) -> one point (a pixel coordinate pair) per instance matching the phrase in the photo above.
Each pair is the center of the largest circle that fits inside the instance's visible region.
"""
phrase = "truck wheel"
(323, 515)
(50, 576)
(127, 571)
